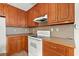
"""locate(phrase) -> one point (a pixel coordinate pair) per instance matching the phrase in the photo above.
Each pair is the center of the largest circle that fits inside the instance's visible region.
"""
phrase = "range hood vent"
(41, 19)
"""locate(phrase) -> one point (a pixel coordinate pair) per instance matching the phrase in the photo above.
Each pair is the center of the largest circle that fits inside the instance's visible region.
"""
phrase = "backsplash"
(63, 31)
(14, 30)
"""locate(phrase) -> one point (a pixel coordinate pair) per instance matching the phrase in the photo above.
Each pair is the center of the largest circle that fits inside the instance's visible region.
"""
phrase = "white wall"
(76, 30)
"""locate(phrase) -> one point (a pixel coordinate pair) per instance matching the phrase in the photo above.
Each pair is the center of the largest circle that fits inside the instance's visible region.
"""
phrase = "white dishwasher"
(34, 46)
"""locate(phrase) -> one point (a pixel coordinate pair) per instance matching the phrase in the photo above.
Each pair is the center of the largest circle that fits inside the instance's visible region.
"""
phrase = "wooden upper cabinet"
(65, 12)
(2, 9)
(32, 14)
(52, 13)
(23, 22)
(38, 10)
(60, 13)
(42, 8)
(11, 15)
(14, 16)
(21, 18)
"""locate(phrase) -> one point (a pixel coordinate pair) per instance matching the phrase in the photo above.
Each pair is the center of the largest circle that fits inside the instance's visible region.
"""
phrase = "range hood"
(41, 19)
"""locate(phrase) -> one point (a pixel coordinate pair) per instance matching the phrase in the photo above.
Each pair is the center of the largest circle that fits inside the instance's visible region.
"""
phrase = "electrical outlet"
(57, 29)
(52, 29)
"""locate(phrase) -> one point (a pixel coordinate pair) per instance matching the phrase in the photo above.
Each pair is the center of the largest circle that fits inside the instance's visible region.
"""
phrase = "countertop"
(23, 34)
(62, 41)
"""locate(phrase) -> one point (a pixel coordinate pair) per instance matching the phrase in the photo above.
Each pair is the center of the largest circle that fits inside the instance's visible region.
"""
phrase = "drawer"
(50, 52)
(56, 47)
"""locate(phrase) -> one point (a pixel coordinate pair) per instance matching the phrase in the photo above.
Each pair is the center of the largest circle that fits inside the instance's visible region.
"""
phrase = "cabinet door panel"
(2, 9)
(11, 15)
(42, 8)
(24, 43)
(8, 22)
(52, 13)
(21, 18)
(66, 12)
(11, 46)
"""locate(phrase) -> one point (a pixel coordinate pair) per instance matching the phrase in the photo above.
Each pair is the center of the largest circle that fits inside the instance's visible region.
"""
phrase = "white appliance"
(34, 46)
(41, 19)
(43, 33)
(2, 35)
(35, 43)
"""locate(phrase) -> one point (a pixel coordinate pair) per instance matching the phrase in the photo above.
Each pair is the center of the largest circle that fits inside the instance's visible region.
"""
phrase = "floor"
(22, 53)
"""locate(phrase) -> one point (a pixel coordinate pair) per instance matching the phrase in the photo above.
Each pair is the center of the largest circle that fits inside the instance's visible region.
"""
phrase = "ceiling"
(23, 6)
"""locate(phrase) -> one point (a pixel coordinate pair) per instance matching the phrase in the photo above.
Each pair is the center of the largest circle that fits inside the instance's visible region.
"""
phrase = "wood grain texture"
(53, 49)
(2, 9)
(60, 13)
(16, 44)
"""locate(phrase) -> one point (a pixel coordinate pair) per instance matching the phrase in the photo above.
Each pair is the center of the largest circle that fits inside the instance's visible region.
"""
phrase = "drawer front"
(50, 52)
(56, 47)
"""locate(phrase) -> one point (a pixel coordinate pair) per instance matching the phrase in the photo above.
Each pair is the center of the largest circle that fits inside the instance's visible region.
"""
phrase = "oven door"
(35, 47)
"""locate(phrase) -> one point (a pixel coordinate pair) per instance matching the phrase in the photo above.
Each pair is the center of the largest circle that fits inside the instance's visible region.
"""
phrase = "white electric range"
(35, 43)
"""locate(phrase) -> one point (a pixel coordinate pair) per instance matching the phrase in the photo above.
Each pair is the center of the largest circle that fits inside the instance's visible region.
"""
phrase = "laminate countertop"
(23, 34)
(69, 42)
(62, 41)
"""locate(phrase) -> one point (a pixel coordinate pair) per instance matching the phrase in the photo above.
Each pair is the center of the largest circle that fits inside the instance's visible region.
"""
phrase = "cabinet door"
(24, 43)
(70, 51)
(42, 8)
(49, 52)
(19, 44)
(50, 49)
(1, 9)
(32, 14)
(21, 18)
(65, 12)
(8, 22)
(11, 15)
(22, 22)
(11, 45)
(52, 13)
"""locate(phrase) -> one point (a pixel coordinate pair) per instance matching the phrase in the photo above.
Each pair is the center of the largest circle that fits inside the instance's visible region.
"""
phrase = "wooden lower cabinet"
(16, 44)
(52, 49)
